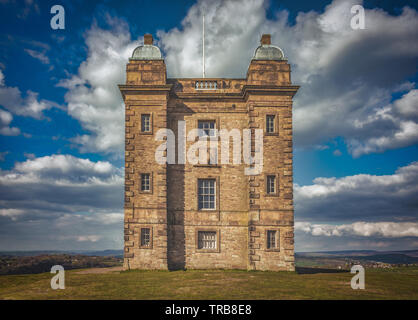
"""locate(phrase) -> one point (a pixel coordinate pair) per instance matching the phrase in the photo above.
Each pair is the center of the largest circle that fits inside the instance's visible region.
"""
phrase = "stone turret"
(146, 66)
(146, 96)
(269, 65)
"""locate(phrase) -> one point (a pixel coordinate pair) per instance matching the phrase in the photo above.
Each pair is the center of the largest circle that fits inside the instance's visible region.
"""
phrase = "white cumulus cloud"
(361, 228)
(347, 77)
(361, 196)
(61, 201)
(29, 106)
(93, 97)
(5, 120)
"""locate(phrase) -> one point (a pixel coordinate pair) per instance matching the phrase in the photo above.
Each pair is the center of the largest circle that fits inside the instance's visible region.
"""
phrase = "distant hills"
(349, 257)
(395, 258)
(412, 253)
(400, 256)
(17, 262)
(39, 263)
(102, 253)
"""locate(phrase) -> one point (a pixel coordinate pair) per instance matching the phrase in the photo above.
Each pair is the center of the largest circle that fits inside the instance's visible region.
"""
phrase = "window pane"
(211, 202)
(207, 240)
(271, 184)
(145, 182)
(270, 124)
(207, 126)
(271, 239)
(206, 194)
(145, 123)
(145, 237)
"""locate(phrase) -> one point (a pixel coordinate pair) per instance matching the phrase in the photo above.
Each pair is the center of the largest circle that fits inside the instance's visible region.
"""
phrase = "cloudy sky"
(355, 116)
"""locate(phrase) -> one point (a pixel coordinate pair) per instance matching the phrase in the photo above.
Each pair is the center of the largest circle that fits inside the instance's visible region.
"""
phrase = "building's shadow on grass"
(307, 270)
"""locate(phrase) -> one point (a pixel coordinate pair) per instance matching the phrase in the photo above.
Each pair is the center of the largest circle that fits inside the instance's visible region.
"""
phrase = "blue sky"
(355, 116)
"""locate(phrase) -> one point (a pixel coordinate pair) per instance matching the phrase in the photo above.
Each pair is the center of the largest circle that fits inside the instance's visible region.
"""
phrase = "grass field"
(397, 283)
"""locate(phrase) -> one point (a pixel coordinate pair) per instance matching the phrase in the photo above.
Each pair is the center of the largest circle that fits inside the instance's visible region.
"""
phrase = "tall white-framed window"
(272, 239)
(145, 237)
(206, 194)
(270, 120)
(271, 184)
(146, 123)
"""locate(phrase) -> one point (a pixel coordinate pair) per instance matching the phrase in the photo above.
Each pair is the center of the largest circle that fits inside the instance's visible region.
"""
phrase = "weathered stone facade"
(244, 211)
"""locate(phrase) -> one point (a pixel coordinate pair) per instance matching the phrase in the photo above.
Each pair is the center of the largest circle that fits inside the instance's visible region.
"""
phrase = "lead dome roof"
(268, 52)
(147, 51)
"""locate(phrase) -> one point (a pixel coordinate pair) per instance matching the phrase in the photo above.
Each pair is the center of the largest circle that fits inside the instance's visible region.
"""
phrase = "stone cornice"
(144, 89)
(289, 90)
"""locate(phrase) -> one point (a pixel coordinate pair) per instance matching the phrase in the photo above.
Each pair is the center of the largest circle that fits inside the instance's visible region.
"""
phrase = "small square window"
(145, 237)
(207, 240)
(146, 123)
(270, 127)
(145, 182)
(208, 127)
(272, 239)
(206, 194)
(271, 184)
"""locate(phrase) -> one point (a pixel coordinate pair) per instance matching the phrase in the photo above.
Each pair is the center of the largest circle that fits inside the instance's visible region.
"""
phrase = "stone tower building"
(210, 215)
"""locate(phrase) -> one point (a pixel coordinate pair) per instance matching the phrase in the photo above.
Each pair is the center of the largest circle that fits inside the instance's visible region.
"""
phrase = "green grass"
(397, 283)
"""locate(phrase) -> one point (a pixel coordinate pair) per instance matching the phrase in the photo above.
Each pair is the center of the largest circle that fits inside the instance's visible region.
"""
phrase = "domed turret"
(147, 51)
(266, 51)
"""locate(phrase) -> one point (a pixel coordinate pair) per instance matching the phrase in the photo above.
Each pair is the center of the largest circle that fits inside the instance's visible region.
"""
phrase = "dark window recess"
(145, 237)
(208, 127)
(145, 182)
(146, 123)
(270, 124)
(207, 239)
(271, 239)
(271, 184)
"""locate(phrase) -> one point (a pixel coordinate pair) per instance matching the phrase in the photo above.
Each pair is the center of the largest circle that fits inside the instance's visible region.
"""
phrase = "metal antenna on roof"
(203, 45)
